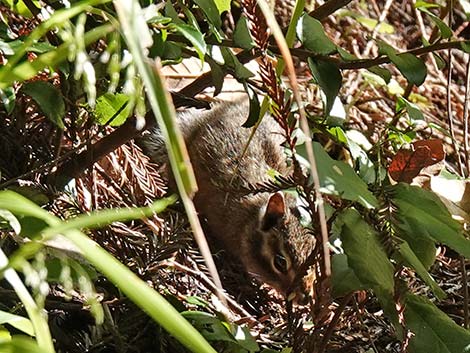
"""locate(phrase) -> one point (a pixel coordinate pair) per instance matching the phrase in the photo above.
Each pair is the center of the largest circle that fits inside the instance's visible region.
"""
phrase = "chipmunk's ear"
(275, 210)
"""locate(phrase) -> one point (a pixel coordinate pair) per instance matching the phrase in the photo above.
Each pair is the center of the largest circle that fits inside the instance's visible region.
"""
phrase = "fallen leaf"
(408, 163)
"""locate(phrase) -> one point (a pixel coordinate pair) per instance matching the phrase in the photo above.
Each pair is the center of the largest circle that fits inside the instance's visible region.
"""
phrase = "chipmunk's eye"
(280, 263)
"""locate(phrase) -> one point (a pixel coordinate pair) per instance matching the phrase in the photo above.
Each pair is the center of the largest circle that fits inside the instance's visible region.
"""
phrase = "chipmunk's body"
(259, 228)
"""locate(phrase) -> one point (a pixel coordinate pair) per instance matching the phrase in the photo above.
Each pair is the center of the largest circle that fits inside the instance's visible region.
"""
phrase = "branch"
(328, 8)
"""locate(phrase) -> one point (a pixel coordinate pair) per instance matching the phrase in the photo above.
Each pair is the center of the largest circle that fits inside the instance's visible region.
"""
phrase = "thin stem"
(465, 292)
(465, 116)
(450, 117)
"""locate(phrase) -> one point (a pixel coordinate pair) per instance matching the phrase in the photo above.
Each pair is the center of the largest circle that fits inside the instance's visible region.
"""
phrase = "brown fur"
(215, 141)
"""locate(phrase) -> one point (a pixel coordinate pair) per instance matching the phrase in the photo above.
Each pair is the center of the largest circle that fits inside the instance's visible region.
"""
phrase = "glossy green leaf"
(222, 5)
(167, 51)
(338, 178)
(408, 64)
(421, 212)
(112, 109)
(211, 11)
(210, 326)
(255, 111)
(382, 72)
(170, 11)
(194, 36)
(48, 98)
(240, 72)
(433, 331)
(19, 322)
(328, 77)
(366, 256)
(242, 36)
(312, 35)
(343, 278)
(444, 29)
(412, 109)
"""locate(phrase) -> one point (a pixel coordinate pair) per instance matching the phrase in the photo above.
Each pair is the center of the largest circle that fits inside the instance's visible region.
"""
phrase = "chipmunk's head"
(279, 247)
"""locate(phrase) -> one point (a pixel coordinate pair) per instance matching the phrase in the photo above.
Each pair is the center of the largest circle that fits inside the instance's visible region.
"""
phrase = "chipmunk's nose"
(298, 298)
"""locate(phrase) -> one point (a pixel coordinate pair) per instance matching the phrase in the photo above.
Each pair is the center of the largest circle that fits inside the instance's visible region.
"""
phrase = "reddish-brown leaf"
(407, 164)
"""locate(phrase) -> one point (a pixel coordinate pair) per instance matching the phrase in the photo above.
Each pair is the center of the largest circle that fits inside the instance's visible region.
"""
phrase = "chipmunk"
(262, 229)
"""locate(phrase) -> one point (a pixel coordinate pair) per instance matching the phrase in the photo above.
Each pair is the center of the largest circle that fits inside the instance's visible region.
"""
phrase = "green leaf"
(343, 278)
(195, 300)
(421, 212)
(255, 110)
(433, 330)
(245, 339)
(413, 110)
(171, 12)
(49, 100)
(209, 326)
(312, 35)
(134, 288)
(409, 65)
(370, 23)
(364, 166)
(345, 55)
(112, 109)
(19, 322)
(217, 74)
(366, 256)
(426, 5)
(20, 344)
(5, 335)
(194, 36)
(242, 35)
(413, 261)
(240, 72)
(222, 5)
(338, 178)
(328, 77)
(28, 69)
(168, 51)
(10, 218)
(19, 7)
(465, 46)
(446, 32)
(8, 99)
(441, 63)
(55, 268)
(211, 11)
(382, 72)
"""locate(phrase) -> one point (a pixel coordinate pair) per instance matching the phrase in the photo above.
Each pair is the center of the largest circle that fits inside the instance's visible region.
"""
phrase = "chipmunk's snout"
(298, 297)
